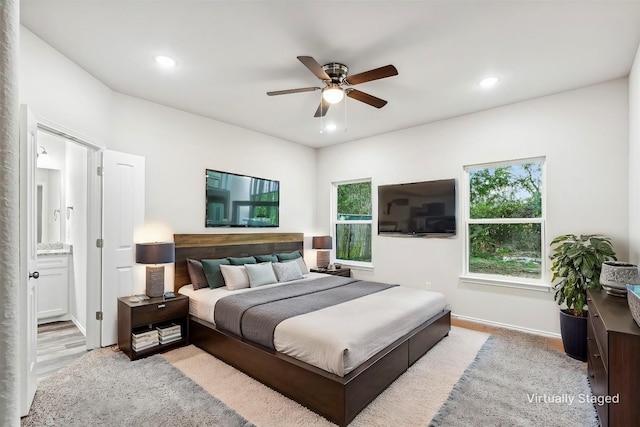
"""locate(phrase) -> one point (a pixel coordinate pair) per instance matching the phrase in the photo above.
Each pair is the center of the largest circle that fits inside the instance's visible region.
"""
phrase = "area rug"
(514, 381)
(412, 400)
(104, 388)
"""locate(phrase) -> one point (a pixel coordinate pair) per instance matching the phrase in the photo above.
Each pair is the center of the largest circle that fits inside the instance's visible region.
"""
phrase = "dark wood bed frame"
(339, 399)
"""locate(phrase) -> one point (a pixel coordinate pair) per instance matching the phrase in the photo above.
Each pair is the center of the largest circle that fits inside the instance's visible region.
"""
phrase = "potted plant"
(576, 265)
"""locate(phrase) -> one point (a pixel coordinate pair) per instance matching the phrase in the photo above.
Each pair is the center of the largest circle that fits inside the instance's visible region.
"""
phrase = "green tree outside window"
(353, 222)
(505, 221)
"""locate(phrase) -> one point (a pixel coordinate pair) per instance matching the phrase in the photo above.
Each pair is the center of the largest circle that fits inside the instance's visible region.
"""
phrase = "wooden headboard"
(213, 246)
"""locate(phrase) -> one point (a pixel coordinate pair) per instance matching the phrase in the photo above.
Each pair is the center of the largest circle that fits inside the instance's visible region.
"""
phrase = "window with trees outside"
(352, 222)
(505, 220)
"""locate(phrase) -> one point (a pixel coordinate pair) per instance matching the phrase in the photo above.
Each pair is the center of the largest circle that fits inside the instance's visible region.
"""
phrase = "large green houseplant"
(576, 265)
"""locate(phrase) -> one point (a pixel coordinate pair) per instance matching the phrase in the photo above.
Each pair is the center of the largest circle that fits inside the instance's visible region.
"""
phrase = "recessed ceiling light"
(165, 61)
(330, 127)
(488, 82)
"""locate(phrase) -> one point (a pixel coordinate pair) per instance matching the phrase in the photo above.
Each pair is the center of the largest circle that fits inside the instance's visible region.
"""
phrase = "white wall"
(582, 133)
(59, 91)
(634, 161)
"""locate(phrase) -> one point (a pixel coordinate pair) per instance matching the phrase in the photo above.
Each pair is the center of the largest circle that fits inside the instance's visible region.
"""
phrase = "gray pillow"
(211, 269)
(301, 264)
(287, 271)
(260, 274)
(196, 274)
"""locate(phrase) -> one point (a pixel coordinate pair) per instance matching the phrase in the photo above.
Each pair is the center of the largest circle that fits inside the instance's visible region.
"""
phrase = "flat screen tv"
(417, 208)
(234, 200)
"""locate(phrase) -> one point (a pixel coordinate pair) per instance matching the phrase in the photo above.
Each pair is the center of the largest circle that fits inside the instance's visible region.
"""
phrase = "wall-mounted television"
(417, 208)
(234, 200)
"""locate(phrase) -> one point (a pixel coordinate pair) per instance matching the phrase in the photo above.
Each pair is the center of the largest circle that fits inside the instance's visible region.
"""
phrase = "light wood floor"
(59, 343)
(551, 343)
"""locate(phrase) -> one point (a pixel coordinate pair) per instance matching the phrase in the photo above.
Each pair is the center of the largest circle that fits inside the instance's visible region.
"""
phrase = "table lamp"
(155, 253)
(322, 242)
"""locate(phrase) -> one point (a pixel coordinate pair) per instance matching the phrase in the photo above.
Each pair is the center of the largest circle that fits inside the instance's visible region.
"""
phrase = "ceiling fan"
(337, 83)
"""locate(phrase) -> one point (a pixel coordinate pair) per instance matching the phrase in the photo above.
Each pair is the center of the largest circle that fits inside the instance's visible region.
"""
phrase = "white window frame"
(541, 284)
(335, 221)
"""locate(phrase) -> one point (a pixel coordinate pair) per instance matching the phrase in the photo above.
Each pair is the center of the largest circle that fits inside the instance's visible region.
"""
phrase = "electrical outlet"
(427, 286)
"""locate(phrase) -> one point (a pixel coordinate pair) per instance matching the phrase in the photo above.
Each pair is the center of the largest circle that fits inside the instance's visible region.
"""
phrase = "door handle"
(34, 275)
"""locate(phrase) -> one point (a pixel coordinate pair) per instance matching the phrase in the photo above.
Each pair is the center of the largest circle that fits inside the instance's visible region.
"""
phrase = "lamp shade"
(154, 253)
(322, 242)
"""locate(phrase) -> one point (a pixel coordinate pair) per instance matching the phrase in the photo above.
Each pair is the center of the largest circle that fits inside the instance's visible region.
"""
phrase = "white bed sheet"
(321, 339)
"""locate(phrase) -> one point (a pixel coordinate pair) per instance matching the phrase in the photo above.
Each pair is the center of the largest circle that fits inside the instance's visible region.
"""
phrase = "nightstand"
(345, 272)
(141, 319)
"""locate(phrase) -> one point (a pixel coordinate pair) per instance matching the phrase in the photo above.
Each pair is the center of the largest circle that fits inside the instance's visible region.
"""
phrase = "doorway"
(68, 224)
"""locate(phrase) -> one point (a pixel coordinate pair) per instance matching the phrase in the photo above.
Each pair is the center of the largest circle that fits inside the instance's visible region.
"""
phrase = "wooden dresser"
(613, 340)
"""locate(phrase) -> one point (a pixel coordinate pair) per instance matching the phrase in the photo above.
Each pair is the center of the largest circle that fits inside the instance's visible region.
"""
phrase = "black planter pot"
(574, 335)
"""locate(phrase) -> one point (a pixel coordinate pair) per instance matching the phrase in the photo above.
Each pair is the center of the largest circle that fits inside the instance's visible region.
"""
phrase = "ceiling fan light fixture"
(333, 93)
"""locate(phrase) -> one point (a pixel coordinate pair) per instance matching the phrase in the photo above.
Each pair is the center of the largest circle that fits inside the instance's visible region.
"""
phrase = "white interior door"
(28, 275)
(123, 210)
(94, 252)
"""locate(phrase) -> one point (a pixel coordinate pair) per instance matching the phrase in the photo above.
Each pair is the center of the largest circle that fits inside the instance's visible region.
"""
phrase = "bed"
(334, 387)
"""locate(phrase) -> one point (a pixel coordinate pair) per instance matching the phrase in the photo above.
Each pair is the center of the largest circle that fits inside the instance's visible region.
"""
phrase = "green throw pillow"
(266, 258)
(212, 272)
(289, 256)
(242, 260)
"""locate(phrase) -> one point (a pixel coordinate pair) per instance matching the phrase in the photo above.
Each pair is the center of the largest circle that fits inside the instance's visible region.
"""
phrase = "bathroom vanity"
(53, 284)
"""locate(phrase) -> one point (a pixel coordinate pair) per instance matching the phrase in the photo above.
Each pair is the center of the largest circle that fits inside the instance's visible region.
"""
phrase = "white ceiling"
(231, 53)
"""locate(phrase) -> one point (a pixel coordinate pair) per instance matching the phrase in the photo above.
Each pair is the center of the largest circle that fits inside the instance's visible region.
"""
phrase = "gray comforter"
(255, 315)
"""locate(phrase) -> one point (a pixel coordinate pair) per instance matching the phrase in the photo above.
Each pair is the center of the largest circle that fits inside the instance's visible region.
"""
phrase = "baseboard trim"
(505, 326)
(79, 326)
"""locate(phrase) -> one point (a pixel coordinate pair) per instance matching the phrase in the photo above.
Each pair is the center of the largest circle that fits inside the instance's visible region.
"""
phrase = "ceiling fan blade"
(366, 98)
(322, 108)
(284, 92)
(314, 67)
(367, 76)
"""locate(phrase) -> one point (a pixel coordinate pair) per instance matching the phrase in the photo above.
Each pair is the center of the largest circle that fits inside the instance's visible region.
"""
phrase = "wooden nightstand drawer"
(140, 321)
(159, 312)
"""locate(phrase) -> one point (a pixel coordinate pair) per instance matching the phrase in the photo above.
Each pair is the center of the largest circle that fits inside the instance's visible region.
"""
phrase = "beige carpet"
(413, 399)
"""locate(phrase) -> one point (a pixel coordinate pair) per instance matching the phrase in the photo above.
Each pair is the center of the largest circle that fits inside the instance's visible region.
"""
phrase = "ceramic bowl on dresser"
(615, 275)
(633, 297)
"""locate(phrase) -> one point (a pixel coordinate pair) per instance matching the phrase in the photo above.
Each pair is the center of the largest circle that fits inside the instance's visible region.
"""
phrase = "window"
(505, 220)
(352, 221)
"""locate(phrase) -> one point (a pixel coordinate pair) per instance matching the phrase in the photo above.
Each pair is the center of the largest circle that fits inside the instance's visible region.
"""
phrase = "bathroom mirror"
(50, 188)
(48, 205)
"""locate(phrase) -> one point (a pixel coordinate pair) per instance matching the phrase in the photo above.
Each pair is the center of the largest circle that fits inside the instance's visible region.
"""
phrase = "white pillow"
(260, 274)
(301, 264)
(235, 277)
(287, 271)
